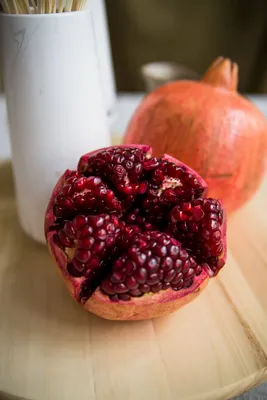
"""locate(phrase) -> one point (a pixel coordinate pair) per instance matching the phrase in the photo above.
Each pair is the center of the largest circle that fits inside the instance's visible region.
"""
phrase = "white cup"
(54, 100)
(104, 54)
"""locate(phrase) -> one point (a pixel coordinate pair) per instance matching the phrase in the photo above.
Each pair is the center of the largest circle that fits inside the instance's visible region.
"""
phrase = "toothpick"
(15, 7)
(61, 5)
(26, 6)
(68, 6)
(5, 6)
(33, 5)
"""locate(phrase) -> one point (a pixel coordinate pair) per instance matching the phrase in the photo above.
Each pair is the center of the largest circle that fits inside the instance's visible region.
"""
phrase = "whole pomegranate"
(133, 235)
(210, 127)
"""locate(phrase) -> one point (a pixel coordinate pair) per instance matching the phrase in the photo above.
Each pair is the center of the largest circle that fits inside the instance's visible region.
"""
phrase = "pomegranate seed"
(117, 277)
(143, 187)
(64, 239)
(82, 255)
(106, 286)
(135, 293)
(169, 275)
(120, 288)
(124, 297)
(198, 213)
(79, 184)
(150, 164)
(144, 288)
(79, 221)
(69, 230)
(131, 282)
(141, 275)
(156, 288)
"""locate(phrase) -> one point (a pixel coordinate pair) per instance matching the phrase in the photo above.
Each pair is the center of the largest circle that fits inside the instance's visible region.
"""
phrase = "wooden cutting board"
(50, 349)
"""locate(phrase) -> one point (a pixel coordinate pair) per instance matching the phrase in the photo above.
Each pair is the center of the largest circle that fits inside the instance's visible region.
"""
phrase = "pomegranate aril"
(152, 266)
(198, 213)
(174, 251)
(69, 230)
(183, 255)
(167, 264)
(178, 265)
(177, 279)
(217, 249)
(124, 297)
(166, 286)
(135, 293)
(141, 275)
(144, 288)
(186, 266)
(117, 277)
(150, 164)
(188, 283)
(120, 288)
(64, 240)
(153, 279)
(79, 184)
(130, 267)
(107, 287)
(198, 270)
(86, 243)
(189, 274)
(143, 187)
(79, 221)
(76, 272)
(131, 282)
(169, 275)
(156, 288)
(82, 255)
(114, 297)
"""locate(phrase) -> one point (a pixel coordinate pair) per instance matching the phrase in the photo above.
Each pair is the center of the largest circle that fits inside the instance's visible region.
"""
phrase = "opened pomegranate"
(133, 236)
(210, 127)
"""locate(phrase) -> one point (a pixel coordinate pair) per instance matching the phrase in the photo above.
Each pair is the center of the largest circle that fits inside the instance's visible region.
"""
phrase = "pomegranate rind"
(49, 215)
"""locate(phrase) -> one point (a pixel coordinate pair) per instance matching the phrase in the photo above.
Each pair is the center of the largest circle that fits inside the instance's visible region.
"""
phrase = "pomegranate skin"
(149, 305)
(210, 127)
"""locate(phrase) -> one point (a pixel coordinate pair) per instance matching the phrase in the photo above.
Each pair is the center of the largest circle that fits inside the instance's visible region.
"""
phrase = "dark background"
(190, 32)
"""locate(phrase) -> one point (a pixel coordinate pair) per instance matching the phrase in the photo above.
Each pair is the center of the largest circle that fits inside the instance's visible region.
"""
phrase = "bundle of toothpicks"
(41, 6)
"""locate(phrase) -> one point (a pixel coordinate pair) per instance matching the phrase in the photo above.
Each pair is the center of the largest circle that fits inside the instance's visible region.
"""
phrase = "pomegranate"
(134, 236)
(210, 127)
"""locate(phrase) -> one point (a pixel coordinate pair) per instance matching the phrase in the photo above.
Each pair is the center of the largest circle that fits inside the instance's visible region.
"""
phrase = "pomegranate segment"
(154, 261)
(81, 194)
(131, 226)
(199, 226)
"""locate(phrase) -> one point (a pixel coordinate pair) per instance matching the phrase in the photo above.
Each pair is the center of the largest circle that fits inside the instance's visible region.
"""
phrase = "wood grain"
(212, 349)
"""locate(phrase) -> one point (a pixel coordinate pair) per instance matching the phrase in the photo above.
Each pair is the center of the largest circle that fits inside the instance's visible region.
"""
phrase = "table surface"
(214, 348)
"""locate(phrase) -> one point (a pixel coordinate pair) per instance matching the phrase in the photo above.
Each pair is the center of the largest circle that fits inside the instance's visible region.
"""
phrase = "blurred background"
(189, 32)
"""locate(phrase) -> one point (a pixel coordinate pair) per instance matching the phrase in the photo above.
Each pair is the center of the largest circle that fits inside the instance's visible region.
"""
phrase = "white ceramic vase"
(54, 100)
(104, 54)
